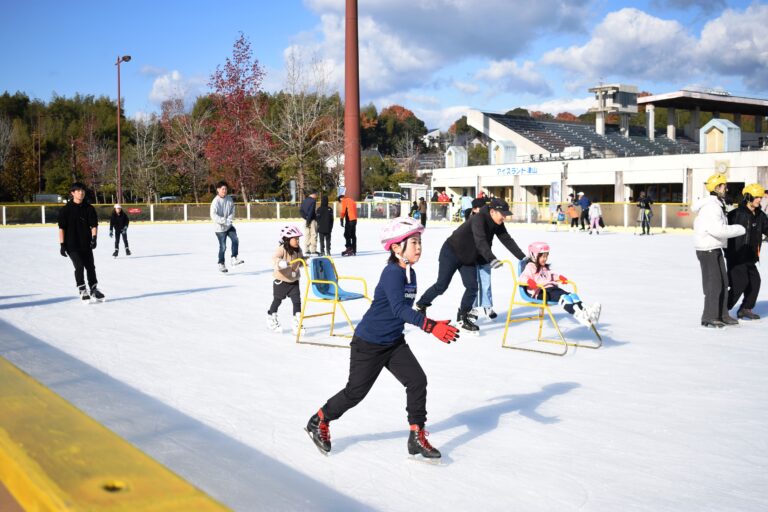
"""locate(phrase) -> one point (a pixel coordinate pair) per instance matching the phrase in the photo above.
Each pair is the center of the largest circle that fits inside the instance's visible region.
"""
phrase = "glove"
(563, 279)
(93, 242)
(282, 264)
(110, 233)
(342, 223)
(495, 263)
(441, 329)
(63, 250)
(532, 284)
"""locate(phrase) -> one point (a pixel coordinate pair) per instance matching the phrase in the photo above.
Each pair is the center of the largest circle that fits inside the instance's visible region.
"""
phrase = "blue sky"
(436, 57)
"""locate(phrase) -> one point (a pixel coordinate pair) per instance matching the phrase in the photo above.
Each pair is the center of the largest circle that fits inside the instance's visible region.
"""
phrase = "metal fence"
(665, 215)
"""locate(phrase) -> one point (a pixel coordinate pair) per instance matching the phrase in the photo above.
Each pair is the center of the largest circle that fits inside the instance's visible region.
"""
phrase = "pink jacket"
(543, 276)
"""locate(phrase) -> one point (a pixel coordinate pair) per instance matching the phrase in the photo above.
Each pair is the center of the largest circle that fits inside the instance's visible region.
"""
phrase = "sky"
(435, 57)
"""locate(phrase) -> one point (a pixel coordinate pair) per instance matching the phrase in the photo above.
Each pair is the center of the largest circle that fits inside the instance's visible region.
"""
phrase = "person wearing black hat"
(78, 227)
(468, 246)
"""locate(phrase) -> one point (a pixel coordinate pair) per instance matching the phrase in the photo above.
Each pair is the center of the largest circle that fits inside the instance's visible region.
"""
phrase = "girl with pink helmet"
(286, 277)
(379, 343)
(537, 275)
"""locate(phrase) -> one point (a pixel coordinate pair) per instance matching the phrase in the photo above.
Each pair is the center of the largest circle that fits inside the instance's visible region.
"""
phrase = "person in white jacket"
(223, 215)
(711, 232)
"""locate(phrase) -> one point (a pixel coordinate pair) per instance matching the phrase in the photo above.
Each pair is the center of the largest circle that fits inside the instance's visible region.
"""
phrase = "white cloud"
(466, 87)
(507, 76)
(174, 85)
(576, 106)
(441, 118)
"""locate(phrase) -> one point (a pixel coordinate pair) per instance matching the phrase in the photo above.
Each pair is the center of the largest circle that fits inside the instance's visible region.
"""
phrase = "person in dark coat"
(645, 213)
(468, 246)
(325, 226)
(118, 222)
(78, 227)
(743, 252)
(584, 203)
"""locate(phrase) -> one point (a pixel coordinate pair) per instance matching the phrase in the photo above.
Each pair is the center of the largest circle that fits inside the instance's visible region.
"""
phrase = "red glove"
(441, 329)
(563, 279)
(532, 284)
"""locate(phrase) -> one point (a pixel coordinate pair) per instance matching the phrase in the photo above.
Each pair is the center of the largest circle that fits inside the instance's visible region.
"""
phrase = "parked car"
(383, 196)
(170, 199)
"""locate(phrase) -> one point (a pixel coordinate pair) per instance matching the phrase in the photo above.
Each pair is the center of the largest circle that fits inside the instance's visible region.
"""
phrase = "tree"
(299, 121)
(477, 155)
(566, 116)
(94, 157)
(519, 111)
(231, 148)
(5, 139)
(145, 166)
(18, 179)
(186, 140)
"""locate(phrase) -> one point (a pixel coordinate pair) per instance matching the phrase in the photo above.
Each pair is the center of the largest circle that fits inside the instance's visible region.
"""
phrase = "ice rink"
(666, 416)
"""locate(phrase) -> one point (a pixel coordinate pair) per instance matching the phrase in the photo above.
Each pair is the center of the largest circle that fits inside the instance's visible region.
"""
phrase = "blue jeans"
(222, 236)
(484, 295)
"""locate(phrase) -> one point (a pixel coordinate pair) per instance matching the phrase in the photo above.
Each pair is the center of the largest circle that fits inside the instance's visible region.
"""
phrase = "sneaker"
(418, 444)
(237, 261)
(223, 268)
(318, 431)
(273, 324)
(114, 254)
(713, 324)
(490, 313)
(582, 316)
(127, 251)
(96, 293)
(295, 325)
(729, 320)
(84, 295)
(748, 314)
(465, 321)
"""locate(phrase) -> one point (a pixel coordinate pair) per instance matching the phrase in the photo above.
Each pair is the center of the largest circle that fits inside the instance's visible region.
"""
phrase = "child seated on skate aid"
(537, 275)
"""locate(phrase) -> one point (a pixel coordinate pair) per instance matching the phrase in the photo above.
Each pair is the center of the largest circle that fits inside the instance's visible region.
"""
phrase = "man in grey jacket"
(223, 215)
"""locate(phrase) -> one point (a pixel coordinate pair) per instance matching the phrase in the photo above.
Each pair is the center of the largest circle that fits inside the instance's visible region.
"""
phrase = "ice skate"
(747, 314)
(490, 313)
(295, 325)
(318, 431)
(236, 261)
(712, 324)
(84, 295)
(582, 316)
(127, 251)
(273, 324)
(114, 254)
(419, 448)
(593, 313)
(467, 324)
(223, 268)
(96, 295)
(729, 320)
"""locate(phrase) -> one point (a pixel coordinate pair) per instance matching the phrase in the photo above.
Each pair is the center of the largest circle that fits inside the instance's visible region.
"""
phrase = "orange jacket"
(572, 212)
(348, 208)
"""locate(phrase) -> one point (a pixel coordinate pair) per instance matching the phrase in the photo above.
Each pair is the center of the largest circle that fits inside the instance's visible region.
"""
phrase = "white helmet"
(290, 232)
(400, 229)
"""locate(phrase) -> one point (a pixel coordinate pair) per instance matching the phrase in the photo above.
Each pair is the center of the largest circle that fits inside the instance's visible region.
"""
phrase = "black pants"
(83, 261)
(714, 281)
(448, 265)
(423, 219)
(574, 222)
(743, 279)
(584, 218)
(350, 235)
(325, 243)
(366, 360)
(117, 240)
(283, 289)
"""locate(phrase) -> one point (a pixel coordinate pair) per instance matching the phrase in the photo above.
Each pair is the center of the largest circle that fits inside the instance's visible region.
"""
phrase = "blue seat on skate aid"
(543, 311)
(323, 280)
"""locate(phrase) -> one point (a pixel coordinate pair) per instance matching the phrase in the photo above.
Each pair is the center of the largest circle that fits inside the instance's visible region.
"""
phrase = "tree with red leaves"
(234, 147)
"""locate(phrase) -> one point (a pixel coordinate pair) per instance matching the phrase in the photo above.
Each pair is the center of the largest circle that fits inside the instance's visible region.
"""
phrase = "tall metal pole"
(351, 105)
(119, 176)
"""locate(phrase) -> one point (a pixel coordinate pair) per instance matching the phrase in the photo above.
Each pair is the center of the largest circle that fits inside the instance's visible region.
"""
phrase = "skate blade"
(313, 442)
(469, 333)
(97, 301)
(425, 460)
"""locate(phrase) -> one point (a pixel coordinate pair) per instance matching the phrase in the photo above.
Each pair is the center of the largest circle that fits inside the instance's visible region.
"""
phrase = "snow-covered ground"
(666, 416)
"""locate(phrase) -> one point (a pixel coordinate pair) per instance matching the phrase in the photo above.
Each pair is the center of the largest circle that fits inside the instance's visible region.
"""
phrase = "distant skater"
(286, 276)
(118, 222)
(223, 215)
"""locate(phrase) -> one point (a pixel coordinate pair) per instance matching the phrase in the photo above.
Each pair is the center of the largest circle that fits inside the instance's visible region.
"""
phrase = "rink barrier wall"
(53, 457)
(666, 216)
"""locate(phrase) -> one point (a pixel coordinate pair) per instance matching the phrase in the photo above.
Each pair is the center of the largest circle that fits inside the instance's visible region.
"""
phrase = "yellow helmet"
(754, 190)
(715, 180)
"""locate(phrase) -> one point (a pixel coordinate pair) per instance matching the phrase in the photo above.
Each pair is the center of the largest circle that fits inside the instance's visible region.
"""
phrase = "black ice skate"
(127, 251)
(466, 322)
(317, 429)
(114, 254)
(419, 447)
(96, 295)
(84, 295)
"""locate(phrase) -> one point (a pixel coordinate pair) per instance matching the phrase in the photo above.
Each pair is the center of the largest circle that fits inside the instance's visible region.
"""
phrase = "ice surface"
(666, 416)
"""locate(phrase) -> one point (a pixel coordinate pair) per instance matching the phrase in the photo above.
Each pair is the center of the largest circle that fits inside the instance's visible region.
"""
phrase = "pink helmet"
(290, 232)
(537, 248)
(400, 229)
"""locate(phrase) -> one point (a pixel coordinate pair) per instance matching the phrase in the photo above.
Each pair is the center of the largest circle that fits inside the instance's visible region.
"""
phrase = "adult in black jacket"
(468, 246)
(118, 222)
(309, 214)
(645, 213)
(78, 227)
(743, 252)
(325, 226)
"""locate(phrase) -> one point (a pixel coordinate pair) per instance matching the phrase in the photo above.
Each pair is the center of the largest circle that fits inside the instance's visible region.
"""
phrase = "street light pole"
(124, 58)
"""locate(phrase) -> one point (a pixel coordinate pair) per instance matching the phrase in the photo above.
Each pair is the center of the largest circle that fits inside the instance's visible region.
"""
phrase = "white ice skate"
(237, 261)
(582, 316)
(223, 268)
(273, 324)
(295, 326)
(593, 313)
(490, 313)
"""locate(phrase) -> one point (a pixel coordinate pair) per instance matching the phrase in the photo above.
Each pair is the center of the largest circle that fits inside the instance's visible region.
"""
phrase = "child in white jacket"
(595, 212)
(711, 232)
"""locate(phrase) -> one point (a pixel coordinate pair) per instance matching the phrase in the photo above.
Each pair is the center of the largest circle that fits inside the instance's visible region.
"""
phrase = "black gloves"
(110, 234)
(496, 264)
(63, 250)
(93, 242)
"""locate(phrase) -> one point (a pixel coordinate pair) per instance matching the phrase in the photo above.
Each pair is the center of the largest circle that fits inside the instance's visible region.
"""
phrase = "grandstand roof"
(708, 102)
